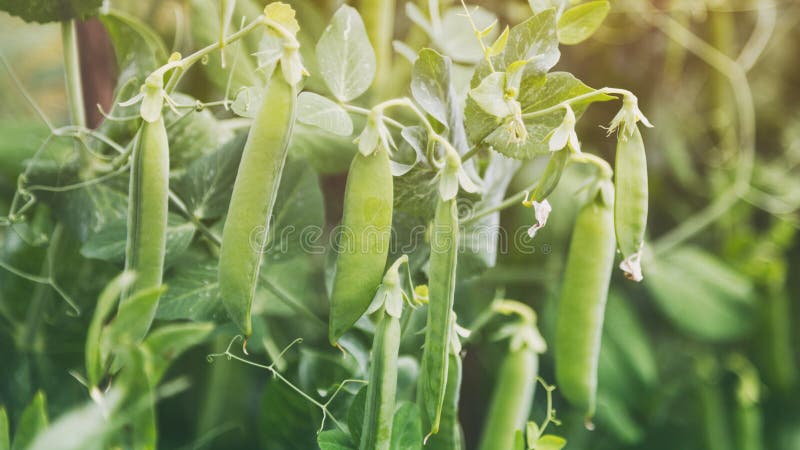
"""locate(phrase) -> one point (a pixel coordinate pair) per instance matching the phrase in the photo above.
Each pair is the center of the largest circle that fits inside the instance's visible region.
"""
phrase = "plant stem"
(72, 70)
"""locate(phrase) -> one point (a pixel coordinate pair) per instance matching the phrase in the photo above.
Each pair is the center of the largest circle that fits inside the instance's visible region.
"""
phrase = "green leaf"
(192, 135)
(535, 40)
(457, 39)
(291, 426)
(624, 328)
(167, 343)
(32, 422)
(334, 440)
(550, 442)
(138, 402)
(431, 85)
(5, 435)
(614, 416)
(540, 5)
(95, 361)
(44, 11)
(345, 56)
(325, 152)
(701, 295)
(135, 43)
(406, 428)
(532, 433)
(205, 187)
(579, 22)
(108, 243)
(557, 87)
(86, 211)
(132, 321)
(193, 292)
(314, 109)
(355, 415)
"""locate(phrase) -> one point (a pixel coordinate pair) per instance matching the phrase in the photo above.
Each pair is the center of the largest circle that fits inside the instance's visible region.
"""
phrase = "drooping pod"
(581, 306)
(513, 394)
(630, 202)
(441, 290)
(364, 239)
(376, 433)
(450, 435)
(247, 224)
(148, 201)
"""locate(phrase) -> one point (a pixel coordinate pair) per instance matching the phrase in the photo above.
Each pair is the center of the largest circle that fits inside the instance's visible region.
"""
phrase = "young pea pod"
(450, 436)
(147, 216)
(364, 243)
(630, 202)
(441, 290)
(551, 175)
(247, 224)
(513, 394)
(376, 433)
(583, 299)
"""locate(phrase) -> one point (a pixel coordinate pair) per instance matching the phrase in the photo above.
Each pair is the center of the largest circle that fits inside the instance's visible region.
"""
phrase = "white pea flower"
(565, 133)
(374, 135)
(152, 96)
(516, 126)
(452, 175)
(627, 117)
(632, 267)
(541, 211)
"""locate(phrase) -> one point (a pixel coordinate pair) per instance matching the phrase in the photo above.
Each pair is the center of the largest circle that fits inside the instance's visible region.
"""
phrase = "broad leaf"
(193, 292)
(316, 110)
(43, 11)
(550, 442)
(167, 343)
(431, 86)
(579, 22)
(335, 440)
(345, 56)
(83, 428)
(406, 428)
(108, 243)
(95, 361)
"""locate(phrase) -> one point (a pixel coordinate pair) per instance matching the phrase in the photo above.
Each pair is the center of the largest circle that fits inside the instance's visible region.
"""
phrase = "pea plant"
(215, 222)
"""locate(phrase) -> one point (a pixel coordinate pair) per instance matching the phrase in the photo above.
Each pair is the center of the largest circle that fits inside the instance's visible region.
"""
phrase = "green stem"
(379, 21)
(72, 70)
(578, 98)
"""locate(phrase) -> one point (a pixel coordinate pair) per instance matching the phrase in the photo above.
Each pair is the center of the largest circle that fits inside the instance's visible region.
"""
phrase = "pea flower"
(627, 117)
(451, 175)
(565, 133)
(541, 211)
(280, 44)
(497, 95)
(152, 93)
(632, 267)
(456, 334)
(375, 134)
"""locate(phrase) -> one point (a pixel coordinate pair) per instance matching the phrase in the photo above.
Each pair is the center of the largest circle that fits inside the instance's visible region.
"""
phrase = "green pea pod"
(512, 398)
(551, 175)
(364, 244)
(630, 202)
(582, 304)
(147, 215)
(254, 191)
(379, 410)
(441, 290)
(449, 436)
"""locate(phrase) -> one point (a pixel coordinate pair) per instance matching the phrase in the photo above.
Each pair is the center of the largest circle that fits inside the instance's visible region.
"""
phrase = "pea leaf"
(135, 43)
(540, 5)
(86, 211)
(457, 39)
(701, 295)
(550, 442)
(345, 56)
(193, 292)
(334, 440)
(579, 22)
(293, 425)
(165, 344)
(95, 361)
(327, 153)
(131, 323)
(32, 422)
(355, 415)
(624, 329)
(108, 243)
(406, 428)
(431, 86)
(206, 185)
(44, 11)
(314, 109)
(557, 87)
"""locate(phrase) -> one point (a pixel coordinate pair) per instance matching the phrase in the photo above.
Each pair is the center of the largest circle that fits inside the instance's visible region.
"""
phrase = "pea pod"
(630, 202)
(583, 299)
(441, 290)
(147, 215)
(516, 381)
(254, 191)
(551, 175)
(364, 244)
(376, 433)
(449, 436)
